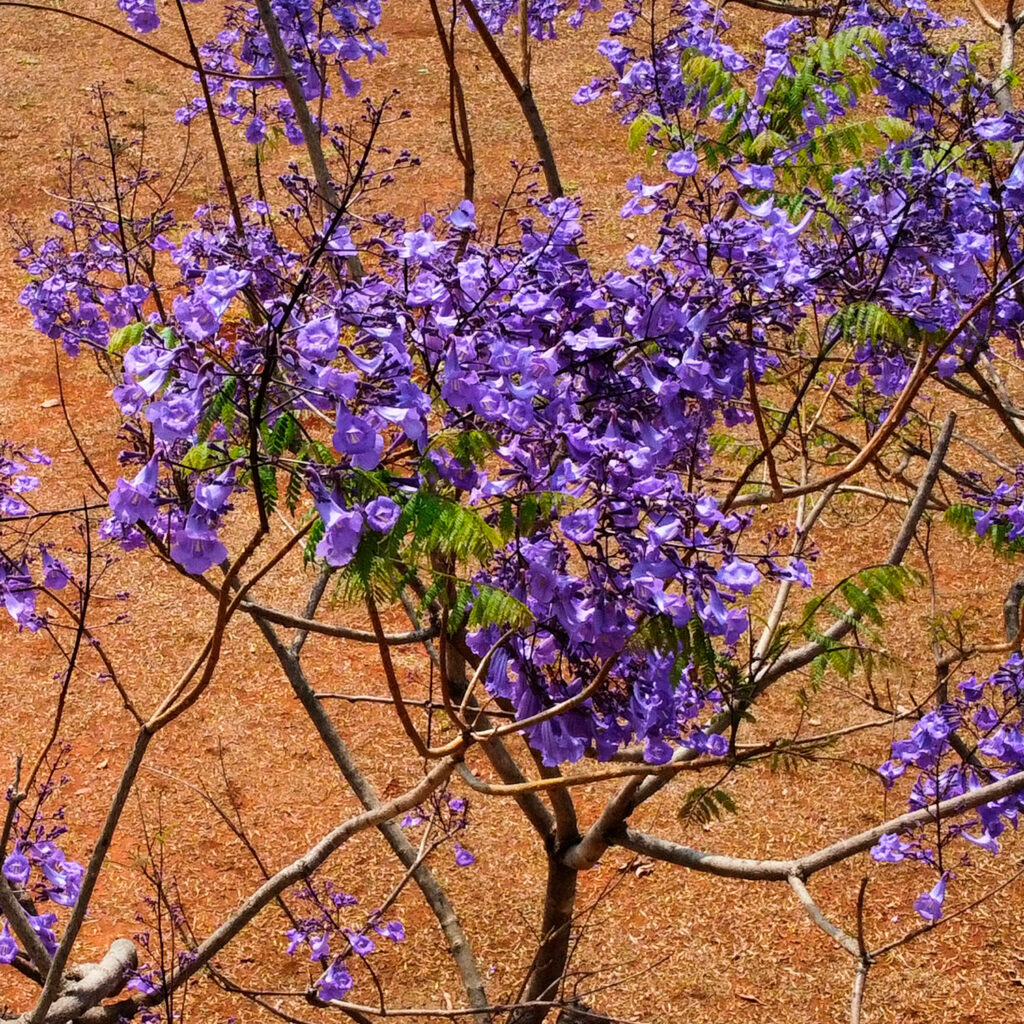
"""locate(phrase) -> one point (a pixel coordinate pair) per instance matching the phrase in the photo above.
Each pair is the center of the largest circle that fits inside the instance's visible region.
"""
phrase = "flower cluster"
(25, 565)
(447, 816)
(568, 413)
(35, 866)
(331, 942)
(971, 741)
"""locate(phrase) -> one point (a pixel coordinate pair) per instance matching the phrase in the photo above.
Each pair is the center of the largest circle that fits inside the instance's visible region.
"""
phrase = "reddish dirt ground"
(670, 946)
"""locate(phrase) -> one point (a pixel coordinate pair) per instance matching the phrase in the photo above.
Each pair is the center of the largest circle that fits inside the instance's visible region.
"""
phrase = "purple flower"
(890, 771)
(141, 14)
(393, 930)
(174, 417)
(56, 574)
(42, 925)
(318, 339)
(462, 218)
(343, 528)
(196, 547)
(334, 983)
(888, 849)
(382, 514)
(17, 869)
(142, 983)
(19, 597)
(463, 857)
(319, 947)
(683, 163)
(985, 841)
(220, 287)
(295, 939)
(65, 880)
(8, 947)
(355, 437)
(256, 131)
(1001, 128)
(929, 904)
(580, 526)
(362, 945)
(340, 242)
(131, 502)
(213, 495)
(739, 575)
(717, 745)
(796, 571)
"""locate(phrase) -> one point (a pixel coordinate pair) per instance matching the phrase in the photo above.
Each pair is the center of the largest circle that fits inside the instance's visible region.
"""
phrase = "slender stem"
(792, 660)
(857, 997)
(298, 870)
(392, 679)
(814, 912)
(310, 131)
(218, 141)
(55, 974)
(433, 893)
(524, 97)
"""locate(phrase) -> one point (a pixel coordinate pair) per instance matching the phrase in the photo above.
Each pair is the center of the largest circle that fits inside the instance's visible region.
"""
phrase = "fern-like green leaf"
(705, 804)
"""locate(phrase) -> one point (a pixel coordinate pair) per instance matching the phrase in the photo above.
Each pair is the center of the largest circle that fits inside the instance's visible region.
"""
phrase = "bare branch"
(363, 636)
(804, 867)
(298, 870)
(89, 984)
(814, 912)
(793, 660)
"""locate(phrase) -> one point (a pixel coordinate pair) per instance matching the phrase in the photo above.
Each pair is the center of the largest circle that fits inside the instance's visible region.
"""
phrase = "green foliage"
(689, 645)
(315, 535)
(371, 571)
(785, 759)
(863, 323)
(864, 593)
(640, 130)
(294, 490)
(843, 62)
(728, 446)
(201, 457)
(125, 338)
(519, 518)
(478, 605)
(220, 410)
(858, 42)
(283, 436)
(716, 82)
(439, 526)
(834, 147)
(704, 804)
(470, 447)
(961, 518)
(268, 486)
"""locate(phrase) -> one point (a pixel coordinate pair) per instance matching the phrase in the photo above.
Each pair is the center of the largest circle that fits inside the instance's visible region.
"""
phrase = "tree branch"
(804, 867)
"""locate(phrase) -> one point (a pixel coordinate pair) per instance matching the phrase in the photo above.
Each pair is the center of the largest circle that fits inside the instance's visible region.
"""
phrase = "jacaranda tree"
(589, 482)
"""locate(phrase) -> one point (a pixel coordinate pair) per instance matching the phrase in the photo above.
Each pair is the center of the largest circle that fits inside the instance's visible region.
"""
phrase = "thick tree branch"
(90, 984)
